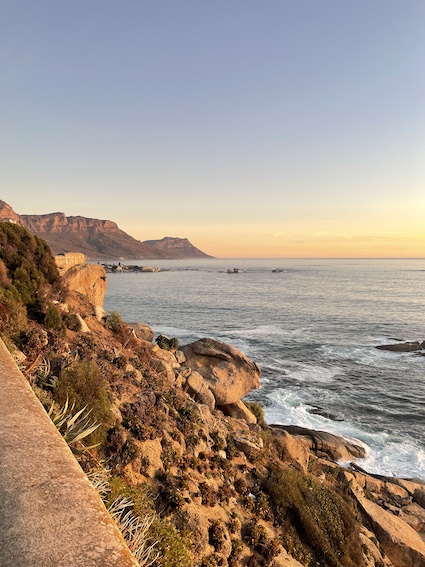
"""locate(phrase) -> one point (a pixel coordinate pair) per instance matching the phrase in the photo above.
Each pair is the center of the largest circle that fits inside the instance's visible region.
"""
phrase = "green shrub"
(166, 343)
(72, 322)
(114, 321)
(319, 527)
(14, 313)
(31, 270)
(84, 386)
(53, 318)
(257, 409)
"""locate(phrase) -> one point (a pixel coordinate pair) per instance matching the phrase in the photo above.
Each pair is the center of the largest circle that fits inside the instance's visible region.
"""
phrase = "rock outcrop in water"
(409, 346)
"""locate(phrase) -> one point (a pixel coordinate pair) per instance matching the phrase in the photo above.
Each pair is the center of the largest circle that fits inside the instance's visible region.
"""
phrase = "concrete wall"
(50, 516)
(69, 259)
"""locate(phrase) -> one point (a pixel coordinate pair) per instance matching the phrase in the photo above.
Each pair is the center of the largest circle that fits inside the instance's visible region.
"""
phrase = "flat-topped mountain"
(181, 247)
(97, 239)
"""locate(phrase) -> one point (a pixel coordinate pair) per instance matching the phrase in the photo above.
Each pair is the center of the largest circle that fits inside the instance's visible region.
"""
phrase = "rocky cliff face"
(181, 247)
(97, 239)
(8, 214)
(93, 237)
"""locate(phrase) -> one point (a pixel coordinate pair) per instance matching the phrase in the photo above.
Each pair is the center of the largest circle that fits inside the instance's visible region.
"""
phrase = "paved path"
(50, 516)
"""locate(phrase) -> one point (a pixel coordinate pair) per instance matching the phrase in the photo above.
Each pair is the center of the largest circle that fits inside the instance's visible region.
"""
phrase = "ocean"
(312, 326)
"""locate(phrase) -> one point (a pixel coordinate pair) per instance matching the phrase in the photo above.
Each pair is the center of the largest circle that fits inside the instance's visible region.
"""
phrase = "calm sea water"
(313, 328)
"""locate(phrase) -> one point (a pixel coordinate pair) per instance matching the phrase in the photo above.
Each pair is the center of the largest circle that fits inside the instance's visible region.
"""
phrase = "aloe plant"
(73, 427)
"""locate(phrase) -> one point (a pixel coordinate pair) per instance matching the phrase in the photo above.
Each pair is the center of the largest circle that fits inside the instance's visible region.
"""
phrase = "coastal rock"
(397, 493)
(400, 542)
(414, 515)
(165, 355)
(164, 369)
(228, 372)
(84, 326)
(198, 389)
(144, 332)
(295, 450)
(88, 280)
(239, 411)
(325, 444)
(249, 447)
(180, 357)
(285, 560)
(151, 450)
(403, 347)
(419, 497)
(372, 553)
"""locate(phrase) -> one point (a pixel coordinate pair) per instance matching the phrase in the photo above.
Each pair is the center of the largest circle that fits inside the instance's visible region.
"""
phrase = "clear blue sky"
(273, 128)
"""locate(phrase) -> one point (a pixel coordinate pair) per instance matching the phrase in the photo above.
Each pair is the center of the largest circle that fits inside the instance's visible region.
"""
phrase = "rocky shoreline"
(118, 268)
(221, 487)
(217, 376)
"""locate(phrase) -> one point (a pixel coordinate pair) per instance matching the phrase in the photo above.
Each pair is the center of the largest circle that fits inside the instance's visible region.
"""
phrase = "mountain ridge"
(97, 238)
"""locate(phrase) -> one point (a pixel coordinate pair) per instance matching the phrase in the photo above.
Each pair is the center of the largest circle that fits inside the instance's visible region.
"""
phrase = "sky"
(273, 128)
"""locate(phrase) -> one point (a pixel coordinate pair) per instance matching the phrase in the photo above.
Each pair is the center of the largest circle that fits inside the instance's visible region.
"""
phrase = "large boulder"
(400, 542)
(88, 280)
(229, 374)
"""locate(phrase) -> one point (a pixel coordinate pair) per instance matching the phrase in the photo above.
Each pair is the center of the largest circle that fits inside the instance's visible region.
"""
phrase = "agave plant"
(73, 427)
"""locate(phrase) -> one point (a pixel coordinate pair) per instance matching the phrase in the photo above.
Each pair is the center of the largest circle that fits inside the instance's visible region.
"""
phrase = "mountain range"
(98, 239)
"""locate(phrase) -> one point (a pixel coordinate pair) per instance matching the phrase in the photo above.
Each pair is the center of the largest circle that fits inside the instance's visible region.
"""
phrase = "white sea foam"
(387, 455)
(313, 373)
(274, 332)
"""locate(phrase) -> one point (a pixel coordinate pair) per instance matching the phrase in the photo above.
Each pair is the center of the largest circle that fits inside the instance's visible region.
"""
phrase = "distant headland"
(98, 239)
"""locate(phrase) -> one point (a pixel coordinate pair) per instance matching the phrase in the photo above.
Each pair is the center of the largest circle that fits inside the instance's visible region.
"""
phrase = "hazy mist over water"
(312, 327)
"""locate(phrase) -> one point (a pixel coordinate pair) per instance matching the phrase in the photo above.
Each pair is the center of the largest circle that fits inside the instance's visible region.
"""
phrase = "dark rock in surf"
(403, 347)
(327, 414)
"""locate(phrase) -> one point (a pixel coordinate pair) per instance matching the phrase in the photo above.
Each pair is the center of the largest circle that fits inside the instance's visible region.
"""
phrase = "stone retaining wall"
(50, 515)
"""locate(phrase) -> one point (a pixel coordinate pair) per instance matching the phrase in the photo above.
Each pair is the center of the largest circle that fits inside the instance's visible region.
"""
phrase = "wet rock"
(403, 347)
